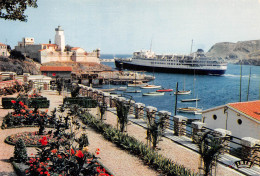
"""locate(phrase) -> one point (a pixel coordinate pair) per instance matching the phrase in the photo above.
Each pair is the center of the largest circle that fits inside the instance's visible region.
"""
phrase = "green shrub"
(20, 151)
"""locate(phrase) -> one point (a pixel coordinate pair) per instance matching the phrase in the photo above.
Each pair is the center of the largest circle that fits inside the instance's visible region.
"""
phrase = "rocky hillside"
(247, 52)
(80, 66)
(18, 66)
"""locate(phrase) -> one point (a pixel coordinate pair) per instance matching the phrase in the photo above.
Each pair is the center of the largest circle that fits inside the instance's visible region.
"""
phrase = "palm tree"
(210, 148)
(122, 109)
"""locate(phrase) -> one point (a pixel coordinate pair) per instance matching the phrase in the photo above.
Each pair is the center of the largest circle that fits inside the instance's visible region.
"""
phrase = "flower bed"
(32, 139)
(23, 116)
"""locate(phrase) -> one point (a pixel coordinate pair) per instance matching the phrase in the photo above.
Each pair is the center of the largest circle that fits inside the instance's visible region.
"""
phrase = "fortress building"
(56, 52)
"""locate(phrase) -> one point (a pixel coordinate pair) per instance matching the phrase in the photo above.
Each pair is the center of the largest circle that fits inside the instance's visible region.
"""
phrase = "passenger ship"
(196, 63)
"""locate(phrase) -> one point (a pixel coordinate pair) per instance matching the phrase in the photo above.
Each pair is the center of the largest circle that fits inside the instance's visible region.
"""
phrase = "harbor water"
(211, 90)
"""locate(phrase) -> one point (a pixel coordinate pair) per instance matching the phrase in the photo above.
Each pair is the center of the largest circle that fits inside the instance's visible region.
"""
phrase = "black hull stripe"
(167, 70)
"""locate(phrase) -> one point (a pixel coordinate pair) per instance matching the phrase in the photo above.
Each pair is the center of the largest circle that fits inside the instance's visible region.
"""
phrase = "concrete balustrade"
(139, 110)
(222, 133)
(251, 149)
(197, 127)
(180, 125)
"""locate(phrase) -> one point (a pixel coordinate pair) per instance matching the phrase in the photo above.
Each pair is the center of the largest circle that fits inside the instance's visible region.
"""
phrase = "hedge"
(84, 102)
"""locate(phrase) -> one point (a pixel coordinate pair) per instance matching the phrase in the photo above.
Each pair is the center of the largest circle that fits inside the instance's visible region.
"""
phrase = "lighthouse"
(60, 38)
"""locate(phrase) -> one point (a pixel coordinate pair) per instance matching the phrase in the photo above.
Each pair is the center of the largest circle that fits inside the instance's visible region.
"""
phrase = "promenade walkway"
(118, 161)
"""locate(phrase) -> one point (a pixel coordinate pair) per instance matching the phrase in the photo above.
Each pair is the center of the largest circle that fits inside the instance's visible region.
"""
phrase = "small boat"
(107, 90)
(190, 100)
(164, 90)
(150, 87)
(137, 84)
(192, 110)
(183, 92)
(153, 94)
(122, 88)
(133, 91)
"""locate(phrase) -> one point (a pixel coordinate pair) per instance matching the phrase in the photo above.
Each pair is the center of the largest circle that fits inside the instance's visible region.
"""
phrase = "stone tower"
(60, 38)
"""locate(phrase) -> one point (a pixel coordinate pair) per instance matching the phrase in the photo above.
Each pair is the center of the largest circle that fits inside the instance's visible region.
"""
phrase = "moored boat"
(183, 92)
(137, 84)
(164, 90)
(192, 110)
(190, 100)
(150, 87)
(133, 91)
(122, 88)
(153, 94)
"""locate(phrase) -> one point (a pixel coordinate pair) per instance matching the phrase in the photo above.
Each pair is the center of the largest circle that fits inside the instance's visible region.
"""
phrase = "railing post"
(151, 111)
(197, 127)
(139, 110)
(26, 77)
(166, 123)
(106, 99)
(180, 125)
(219, 132)
(100, 96)
(132, 108)
(250, 151)
(95, 94)
(112, 101)
(90, 93)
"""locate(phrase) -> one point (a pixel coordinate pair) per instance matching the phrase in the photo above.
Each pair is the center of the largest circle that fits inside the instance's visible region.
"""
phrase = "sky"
(126, 26)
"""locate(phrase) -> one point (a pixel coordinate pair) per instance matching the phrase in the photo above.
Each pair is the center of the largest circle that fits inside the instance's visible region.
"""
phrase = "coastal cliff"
(247, 52)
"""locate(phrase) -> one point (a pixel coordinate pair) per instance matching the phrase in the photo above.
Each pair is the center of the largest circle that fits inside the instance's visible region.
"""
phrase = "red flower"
(13, 101)
(72, 151)
(46, 172)
(79, 154)
(43, 141)
(21, 103)
(59, 156)
(54, 151)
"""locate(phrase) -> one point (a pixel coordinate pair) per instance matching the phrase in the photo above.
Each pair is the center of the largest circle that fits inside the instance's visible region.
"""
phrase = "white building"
(3, 50)
(242, 118)
(55, 52)
(60, 39)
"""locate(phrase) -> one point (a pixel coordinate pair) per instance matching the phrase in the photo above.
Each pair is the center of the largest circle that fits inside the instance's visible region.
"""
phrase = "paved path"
(118, 161)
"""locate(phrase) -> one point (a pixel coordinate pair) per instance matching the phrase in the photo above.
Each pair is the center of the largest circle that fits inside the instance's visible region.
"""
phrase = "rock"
(247, 52)
(20, 67)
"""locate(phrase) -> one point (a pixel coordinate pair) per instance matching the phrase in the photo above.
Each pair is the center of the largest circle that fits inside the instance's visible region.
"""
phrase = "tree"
(17, 55)
(122, 112)
(14, 9)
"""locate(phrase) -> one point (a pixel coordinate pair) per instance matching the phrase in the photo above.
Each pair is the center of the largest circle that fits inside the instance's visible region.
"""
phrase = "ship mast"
(191, 46)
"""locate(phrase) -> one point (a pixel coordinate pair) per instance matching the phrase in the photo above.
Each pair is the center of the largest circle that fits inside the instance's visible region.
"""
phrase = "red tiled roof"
(250, 108)
(55, 68)
(75, 48)
(2, 44)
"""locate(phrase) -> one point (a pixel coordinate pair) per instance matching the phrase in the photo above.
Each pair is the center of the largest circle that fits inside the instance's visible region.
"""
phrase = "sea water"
(211, 90)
